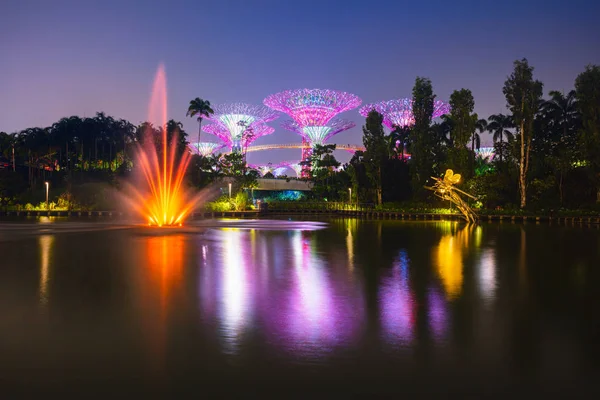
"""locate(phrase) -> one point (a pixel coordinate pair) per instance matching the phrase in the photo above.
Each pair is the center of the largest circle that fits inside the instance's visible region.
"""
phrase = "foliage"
(523, 95)
(376, 152)
(422, 142)
(587, 93)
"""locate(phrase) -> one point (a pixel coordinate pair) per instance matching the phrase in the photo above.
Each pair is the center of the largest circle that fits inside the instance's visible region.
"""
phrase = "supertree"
(312, 110)
(205, 149)
(398, 112)
(297, 167)
(249, 135)
(239, 119)
(487, 153)
(318, 134)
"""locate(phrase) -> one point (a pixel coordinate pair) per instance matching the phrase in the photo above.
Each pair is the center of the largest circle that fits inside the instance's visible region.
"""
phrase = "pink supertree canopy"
(238, 117)
(318, 134)
(249, 135)
(312, 107)
(205, 148)
(398, 112)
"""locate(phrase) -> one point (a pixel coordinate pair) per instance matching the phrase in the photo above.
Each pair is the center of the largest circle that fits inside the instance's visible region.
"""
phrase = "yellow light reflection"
(449, 260)
(46, 242)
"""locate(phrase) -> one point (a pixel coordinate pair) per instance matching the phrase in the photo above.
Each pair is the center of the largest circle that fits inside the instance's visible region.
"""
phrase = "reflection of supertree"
(205, 149)
(398, 307)
(398, 112)
(246, 138)
(312, 110)
(237, 118)
(487, 153)
(318, 134)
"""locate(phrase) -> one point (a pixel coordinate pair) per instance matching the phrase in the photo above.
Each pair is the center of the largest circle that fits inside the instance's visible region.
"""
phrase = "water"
(292, 308)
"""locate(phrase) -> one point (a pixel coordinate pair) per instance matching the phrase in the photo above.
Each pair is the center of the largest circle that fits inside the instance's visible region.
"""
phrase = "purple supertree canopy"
(205, 148)
(398, 112)
(318, 134)
(236, 117)
(312, 107)
(247, 136)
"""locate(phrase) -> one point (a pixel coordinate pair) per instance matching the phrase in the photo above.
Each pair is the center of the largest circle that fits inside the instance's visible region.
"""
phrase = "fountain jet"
(160, 195)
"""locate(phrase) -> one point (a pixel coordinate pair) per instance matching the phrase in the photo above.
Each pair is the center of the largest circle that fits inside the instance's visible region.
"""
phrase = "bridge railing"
(324, 206)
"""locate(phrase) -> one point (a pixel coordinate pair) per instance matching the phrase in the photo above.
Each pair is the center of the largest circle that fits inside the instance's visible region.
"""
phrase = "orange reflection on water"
(46, 242)
(448, 257)
(163, 279)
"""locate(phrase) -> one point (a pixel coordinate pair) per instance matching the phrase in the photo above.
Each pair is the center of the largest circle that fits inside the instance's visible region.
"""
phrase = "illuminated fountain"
(158, 193)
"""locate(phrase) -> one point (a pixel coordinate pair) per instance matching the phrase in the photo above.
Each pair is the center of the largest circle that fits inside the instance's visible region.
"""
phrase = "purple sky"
(61, 58)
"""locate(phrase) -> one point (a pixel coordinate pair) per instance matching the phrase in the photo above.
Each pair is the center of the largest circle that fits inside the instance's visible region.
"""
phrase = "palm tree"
(499, 125)
(398, 138)
(480, 127)
(562, 111)
(199, 108)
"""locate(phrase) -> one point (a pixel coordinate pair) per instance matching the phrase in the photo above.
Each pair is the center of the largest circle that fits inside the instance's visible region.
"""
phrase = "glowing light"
(398, 112)
(349, 148)
(223, 133)
(312, 107)
(205, 149)
(449, 260)
(279, 171)
(235, 295)
(487, 275)
(297, 168)
(397, 314)
(237, 119)
(487, 153)
(46, 242)
(318, 134)
(161, 198)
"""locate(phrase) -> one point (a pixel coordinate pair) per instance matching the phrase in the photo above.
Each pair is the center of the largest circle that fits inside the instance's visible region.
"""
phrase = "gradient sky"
(61, 58)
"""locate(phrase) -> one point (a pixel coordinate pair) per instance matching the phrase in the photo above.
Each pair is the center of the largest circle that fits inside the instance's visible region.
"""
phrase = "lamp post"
(47, 189)
(350, 196)
(229, 189)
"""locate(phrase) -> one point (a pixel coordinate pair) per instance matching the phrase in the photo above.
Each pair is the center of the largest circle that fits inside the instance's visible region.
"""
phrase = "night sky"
(62, 58)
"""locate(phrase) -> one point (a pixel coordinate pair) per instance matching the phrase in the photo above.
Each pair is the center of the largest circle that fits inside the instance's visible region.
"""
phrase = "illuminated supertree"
(398, 112)
(240, 118)
(263, 169)
(318, 134)
(205, 149)
(249, 135)
(487, 153)
(297, 168)
(312, 110)
(279, 171)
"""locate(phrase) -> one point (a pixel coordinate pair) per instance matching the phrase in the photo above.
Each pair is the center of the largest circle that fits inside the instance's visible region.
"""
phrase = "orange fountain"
(160, 196)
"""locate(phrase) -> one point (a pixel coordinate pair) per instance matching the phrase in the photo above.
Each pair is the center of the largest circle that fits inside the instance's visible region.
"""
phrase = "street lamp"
(229, 189)
(47, 189)
(349, 195)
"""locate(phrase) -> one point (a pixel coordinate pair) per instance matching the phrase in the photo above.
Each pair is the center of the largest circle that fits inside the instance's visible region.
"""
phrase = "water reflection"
(448, 259)
(235, 297)
(160, 287)
(487, 275)
(46, 242)
(437, 314)
(397, 304)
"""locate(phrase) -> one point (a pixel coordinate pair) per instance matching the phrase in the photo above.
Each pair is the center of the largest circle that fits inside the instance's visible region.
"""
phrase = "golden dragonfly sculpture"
(445, 190)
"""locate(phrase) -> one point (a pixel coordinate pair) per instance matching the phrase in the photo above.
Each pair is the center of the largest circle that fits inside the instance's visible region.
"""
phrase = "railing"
(325, 206)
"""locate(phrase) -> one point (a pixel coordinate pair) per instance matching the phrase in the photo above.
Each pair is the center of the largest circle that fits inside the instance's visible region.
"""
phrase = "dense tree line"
(547, 150)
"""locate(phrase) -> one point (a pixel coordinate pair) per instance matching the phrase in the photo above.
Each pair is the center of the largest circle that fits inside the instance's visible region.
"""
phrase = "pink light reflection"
(397, 304)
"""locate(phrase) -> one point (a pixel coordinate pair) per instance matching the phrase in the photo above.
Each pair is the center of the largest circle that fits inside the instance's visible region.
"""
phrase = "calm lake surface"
(292, 308)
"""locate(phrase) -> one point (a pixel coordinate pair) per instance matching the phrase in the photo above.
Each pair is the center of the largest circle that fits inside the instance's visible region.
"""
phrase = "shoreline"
(376, 215)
